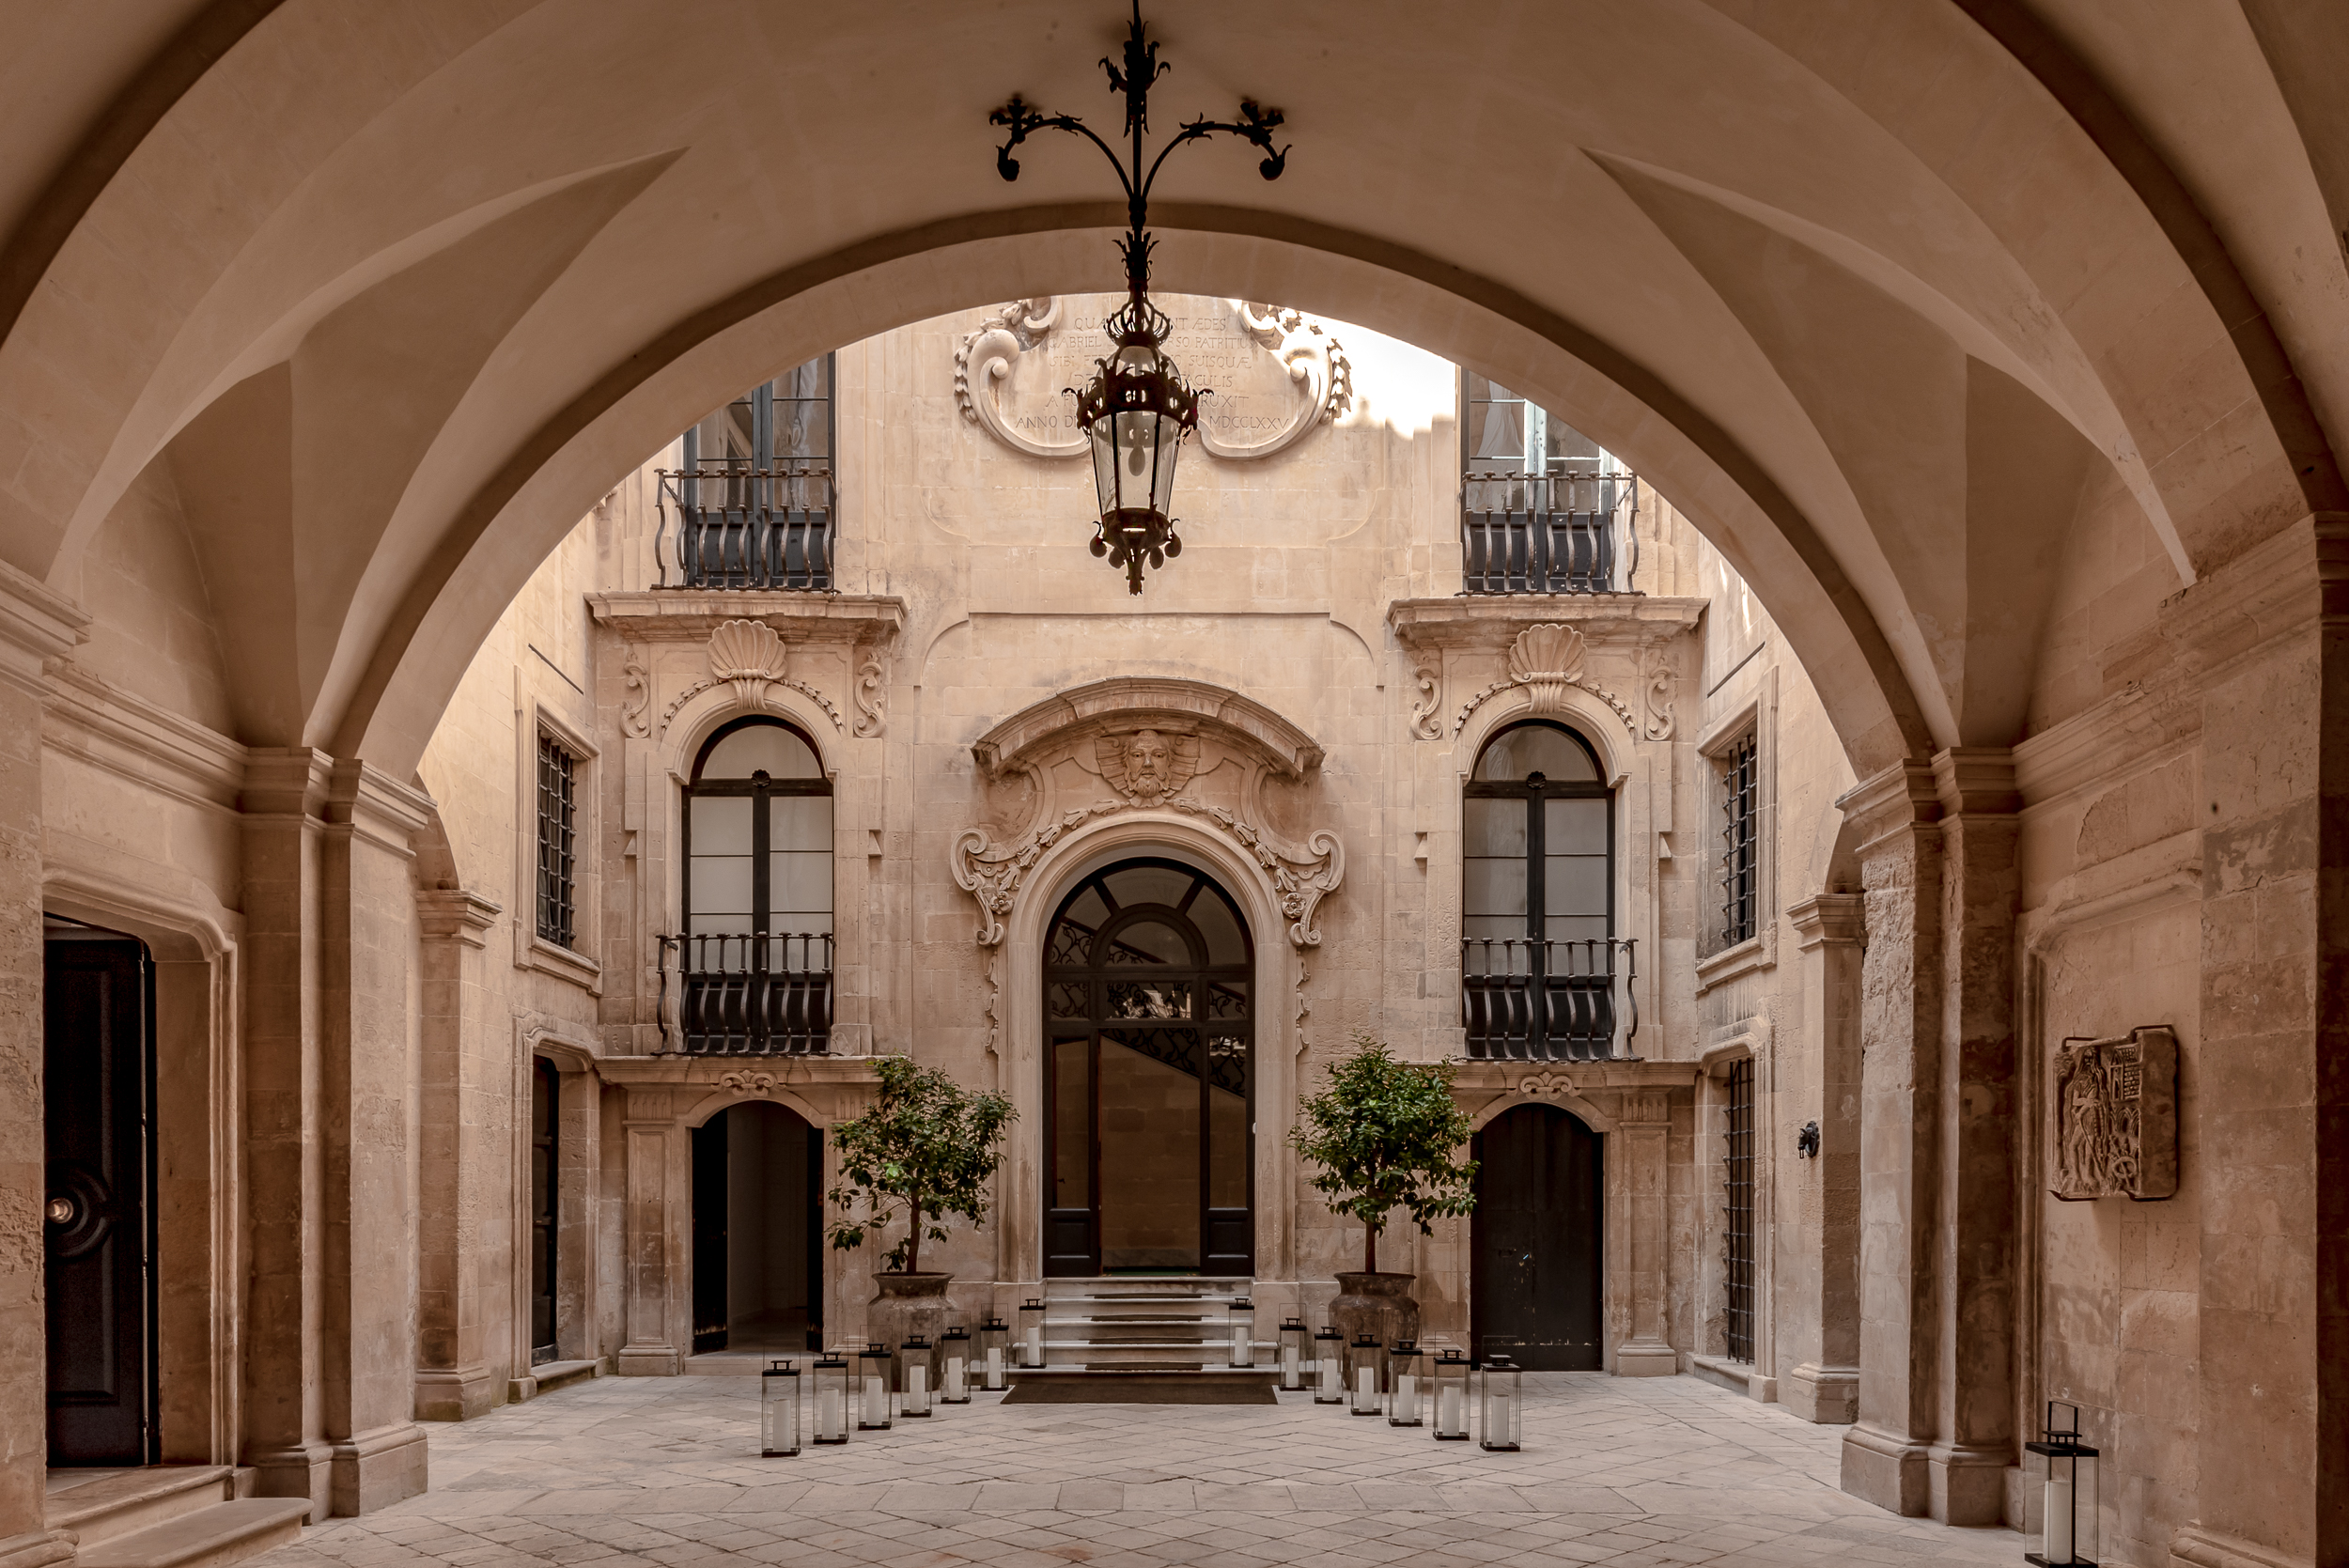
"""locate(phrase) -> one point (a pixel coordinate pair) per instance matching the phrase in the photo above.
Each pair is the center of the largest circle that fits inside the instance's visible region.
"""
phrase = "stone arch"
(1564, 1100)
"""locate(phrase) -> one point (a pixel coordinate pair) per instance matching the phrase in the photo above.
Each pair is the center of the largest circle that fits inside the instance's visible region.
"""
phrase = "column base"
(1646, 1359)
(35, 1549)
(375, 1469)
(1827, 1396)
(647, 1360)
(454, 1396)
(301, 1470)
(1885, 1469)
(1965, 1486)
(2195, 1547)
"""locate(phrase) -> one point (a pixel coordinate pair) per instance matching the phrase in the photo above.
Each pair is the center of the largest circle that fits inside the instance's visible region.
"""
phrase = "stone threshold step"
(1098, 1370)
(212, 1537)
(135, 1499)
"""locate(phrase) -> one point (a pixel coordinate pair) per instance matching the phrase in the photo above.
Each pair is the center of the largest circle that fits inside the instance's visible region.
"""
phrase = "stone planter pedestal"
(1379, 1305)
(905, 1305)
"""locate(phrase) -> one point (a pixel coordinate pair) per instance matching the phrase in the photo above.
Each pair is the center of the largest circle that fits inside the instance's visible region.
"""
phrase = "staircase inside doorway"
(1146, 1324)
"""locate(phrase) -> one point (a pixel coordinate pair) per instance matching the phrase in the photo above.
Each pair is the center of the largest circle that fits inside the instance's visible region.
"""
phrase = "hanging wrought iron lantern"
(1137, 410)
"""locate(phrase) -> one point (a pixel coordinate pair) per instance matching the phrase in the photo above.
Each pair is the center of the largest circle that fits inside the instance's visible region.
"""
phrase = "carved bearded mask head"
(1149, 764)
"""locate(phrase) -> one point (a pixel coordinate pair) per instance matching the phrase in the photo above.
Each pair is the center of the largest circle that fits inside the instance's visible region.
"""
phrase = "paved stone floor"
(666, 1471)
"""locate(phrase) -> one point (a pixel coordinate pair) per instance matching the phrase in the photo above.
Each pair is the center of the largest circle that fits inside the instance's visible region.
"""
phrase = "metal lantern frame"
(1404, 1384)
(1138, 411)
(1296, 1341)
(2069, 1517)
(915, 1392)
(994, 1352)
(779, 1410)
(1328, 1367)
(954, 1373)
(1449, 1375)
(1032, 1332)
(1363, 1359)
(874, 1406)
(1501, 1389)
(835, 1398)
(1241, 1318)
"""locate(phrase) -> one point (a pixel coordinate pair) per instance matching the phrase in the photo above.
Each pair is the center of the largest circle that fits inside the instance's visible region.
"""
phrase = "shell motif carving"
(751, 655)
(1546, 660)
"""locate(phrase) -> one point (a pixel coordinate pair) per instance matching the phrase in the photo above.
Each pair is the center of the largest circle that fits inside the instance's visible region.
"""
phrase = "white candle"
(1330, 1376)
(829, 1422)
(1497, 1420)
(953, 1378)
(1405, 1390)
(1288, 1366)
(876, 1401)
(995, 1366)
(1035, 1344)
(2059, 1507)
(917, 1379)
(1448, 1408)
(1366, 1385)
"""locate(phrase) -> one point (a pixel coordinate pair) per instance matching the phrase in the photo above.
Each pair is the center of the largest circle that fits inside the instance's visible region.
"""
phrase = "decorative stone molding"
(1426, 725)
(1544, 659)
(748, 1083)
(751, 655)
(1546, 1085)
(1146, 767)
(872, 699)
(992, 873)
(1134, 702)
(1663, 687)
(637, 680)
(2112, 1117)
(1302, 350)
(455, 914)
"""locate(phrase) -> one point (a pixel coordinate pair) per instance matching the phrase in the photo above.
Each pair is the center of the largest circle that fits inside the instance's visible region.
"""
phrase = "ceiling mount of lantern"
(1137, 410)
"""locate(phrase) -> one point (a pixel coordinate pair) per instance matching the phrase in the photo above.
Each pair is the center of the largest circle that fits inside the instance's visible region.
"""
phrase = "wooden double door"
(1536, 1240)
(1149, 1076)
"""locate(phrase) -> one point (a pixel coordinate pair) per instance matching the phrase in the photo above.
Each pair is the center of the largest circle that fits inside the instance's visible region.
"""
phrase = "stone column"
(454, 1160)
(1823, 1260)
(1974, 1228)
(1642, 1147)
(657, 1224)
(367, 1316)
(1900, 1022)
(35, 625)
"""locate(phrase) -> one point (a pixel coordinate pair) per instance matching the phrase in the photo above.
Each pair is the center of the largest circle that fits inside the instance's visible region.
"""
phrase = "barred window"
(1740, 842)
(557, 848)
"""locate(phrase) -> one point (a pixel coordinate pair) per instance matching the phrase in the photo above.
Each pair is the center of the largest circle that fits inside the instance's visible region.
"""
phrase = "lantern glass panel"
(1450, 1376)
(992, 1352)
(1405, 1383)
(1361, 1374)
(913, 1376)
(1104, 463)
(1296, 1353)
(954, 1378)
(1243, 1324)
(1032, 1333)
(779, 1410)
(834, 1403)
(873, 1400)
(1330, 1367)
(1503, 1404)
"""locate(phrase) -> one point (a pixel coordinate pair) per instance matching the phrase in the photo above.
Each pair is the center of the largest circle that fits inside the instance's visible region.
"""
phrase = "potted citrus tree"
(923, 1152)
(1382, 1137)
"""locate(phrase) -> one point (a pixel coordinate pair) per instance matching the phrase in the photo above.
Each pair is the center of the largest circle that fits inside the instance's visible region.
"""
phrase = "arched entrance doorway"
(1534, 1286)
(1149, 1076)
(758, 1261)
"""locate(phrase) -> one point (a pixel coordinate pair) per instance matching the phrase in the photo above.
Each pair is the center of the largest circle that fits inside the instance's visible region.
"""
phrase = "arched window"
(758, 935)
(1537, 897)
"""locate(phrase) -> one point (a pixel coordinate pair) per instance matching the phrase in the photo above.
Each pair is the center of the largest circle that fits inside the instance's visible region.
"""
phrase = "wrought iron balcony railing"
(1549, 534)
(1534, 1001)
(746, 995)
(727, 527)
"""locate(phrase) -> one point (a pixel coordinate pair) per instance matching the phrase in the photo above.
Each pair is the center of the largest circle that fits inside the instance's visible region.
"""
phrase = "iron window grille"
(1542, 508)
(558, 773)
(1741, 841)
(756, 504)
(1737, 1234)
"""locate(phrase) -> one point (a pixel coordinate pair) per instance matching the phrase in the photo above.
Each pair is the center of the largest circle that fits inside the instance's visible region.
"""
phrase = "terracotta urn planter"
(905, 1305)
(1379, 1305)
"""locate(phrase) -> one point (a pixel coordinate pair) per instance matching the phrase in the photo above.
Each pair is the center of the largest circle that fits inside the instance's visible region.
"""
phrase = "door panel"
(96, 1031)
(709, 1234)
(545, 1107)
(1534, 1289)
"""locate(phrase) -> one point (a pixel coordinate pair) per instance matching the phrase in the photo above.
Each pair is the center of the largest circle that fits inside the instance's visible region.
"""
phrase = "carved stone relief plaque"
(1276, 375)
(2113, 1110)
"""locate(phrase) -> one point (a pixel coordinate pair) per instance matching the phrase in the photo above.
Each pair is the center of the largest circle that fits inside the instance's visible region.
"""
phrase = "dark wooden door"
(1534, 1290)
(709, 1234)
(97, 1093)
(546, 1089)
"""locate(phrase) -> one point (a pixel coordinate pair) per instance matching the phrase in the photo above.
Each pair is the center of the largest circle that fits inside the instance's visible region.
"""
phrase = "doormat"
(1137, 1391)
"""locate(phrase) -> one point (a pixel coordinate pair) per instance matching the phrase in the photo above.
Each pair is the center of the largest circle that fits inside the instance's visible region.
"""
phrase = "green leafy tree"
(927, 1149)
(1382, 1135)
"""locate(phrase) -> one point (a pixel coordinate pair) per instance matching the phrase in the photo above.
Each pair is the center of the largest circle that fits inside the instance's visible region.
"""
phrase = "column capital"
(377, 807)
(1900, 795)
(1976, 781)
(456, 914)
(284, 781)
(1829, 919)
(35, 626)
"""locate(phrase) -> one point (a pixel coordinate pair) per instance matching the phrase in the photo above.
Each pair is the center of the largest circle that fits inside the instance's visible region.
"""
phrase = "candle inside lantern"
(1496, 1425)
(917, 1379)
(1332, 1378)
(1366, 1385)
(829, 1419)
(1406, 1390)
(876, 1401)
(2059, 1506)
(1448, 1407)
(995, 1366)
(955, 1378)
(1288, 1366)
(1036, 1343)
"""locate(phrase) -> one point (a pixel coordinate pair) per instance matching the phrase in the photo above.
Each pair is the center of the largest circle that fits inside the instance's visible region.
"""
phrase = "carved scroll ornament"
(991, 874)
(2112, 1112)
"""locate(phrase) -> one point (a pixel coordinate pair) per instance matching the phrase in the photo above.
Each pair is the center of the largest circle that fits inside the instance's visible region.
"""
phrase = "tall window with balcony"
(1544, 509)
(558, 848)
(754, 504)
(1538, 956)
(754, 961)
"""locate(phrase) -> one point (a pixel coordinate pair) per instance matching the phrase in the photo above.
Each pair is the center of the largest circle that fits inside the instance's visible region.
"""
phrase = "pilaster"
(1641, 1141)
(1824, 1256)
(455, 1159)
(657, 1212)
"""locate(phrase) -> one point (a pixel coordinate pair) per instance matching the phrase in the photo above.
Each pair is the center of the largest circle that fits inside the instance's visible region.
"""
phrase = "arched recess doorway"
(1149, 1076)
(758, 1261)
(1536, 1244)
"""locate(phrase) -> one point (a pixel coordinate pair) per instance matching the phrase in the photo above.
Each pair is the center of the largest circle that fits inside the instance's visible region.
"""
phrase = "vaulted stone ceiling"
(1927, 313)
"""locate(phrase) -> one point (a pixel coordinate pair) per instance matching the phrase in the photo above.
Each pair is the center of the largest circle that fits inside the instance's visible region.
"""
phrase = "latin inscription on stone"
(2113, 1110)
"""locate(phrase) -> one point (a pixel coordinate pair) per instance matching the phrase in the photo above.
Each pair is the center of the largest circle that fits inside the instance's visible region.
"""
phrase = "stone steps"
(172, 1517)
(1127, 1325)
(211, 1537)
